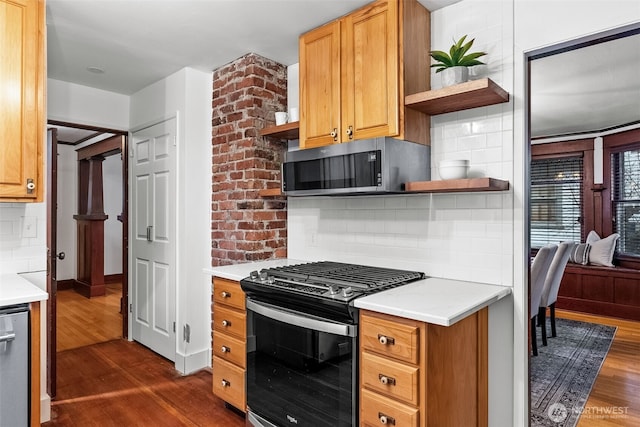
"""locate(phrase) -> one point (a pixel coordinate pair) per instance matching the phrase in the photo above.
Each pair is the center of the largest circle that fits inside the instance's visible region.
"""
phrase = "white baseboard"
(45, 408)
(193, 362)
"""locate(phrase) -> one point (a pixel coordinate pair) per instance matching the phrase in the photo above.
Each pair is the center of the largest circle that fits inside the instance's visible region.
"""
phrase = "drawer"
(230, 349)
(392, 337)
(228, 292)
(374, 407)
(391, 378)
(230, 321)
(229, 383)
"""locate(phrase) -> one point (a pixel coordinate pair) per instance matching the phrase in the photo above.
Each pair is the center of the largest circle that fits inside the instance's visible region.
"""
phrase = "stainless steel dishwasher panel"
(14, 366)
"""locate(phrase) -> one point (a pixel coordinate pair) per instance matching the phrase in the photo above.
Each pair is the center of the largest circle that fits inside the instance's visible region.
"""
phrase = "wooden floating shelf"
(285, 131)
(457, 185)
(472, 94)
(270, 192)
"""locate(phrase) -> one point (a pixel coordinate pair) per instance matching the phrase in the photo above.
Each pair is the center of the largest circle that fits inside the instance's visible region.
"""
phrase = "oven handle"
(300, 319)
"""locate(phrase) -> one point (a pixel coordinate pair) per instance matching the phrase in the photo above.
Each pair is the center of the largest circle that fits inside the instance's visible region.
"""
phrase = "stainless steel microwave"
(370, 166)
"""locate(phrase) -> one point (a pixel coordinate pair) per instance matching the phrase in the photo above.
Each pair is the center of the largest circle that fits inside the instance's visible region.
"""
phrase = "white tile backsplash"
(22, 249)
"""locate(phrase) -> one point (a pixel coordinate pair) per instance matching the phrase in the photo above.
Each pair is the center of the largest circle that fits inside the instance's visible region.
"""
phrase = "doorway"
(65, 182)
(570, 116)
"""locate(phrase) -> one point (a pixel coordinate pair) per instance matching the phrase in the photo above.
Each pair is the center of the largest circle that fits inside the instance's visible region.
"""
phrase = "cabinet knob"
(225, 349)
(225, 383)
(384, 340)
(30, 186)
(225, 294)
(226, 323)
(385, 419)
(334, 134)
(350, 132)
(386, 380)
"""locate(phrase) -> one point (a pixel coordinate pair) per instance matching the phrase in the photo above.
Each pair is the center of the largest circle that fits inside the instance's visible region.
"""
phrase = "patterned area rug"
(564, 371)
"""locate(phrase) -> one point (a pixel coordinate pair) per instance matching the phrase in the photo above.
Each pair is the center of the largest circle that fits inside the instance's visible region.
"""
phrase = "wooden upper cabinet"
(354, 73)
(22, 113)
(320, 85)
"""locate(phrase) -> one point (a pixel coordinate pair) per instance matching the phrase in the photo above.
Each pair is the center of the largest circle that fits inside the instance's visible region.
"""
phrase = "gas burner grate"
(361, 277)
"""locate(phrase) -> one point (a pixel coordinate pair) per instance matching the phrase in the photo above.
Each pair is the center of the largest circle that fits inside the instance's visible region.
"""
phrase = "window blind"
(556, 201)
(625, 171)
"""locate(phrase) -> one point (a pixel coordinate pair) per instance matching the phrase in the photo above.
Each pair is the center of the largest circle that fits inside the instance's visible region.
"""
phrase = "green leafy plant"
(457, 56)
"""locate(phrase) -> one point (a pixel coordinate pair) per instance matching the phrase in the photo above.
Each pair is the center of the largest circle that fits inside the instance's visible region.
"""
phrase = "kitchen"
(328, 228)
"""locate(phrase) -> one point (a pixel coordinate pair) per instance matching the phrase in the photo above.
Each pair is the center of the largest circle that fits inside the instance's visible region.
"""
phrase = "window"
(556, 200)
(625, 195)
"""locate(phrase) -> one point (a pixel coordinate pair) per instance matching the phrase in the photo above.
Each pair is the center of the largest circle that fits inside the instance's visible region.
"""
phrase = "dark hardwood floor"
(104, 380)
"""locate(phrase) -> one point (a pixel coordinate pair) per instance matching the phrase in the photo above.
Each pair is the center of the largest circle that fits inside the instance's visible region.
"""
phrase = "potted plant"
(454, 65)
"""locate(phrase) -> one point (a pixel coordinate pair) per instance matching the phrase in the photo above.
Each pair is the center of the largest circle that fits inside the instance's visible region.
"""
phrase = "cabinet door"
(370, 57)
(320, 86)
(22, 106)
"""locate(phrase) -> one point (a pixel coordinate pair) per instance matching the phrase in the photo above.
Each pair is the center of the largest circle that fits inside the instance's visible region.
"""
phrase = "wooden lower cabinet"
(229, 342)
(419, 374)
(229, 382)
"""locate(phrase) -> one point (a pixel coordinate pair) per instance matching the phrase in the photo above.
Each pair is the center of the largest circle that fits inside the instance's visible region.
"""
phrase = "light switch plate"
(29, 227)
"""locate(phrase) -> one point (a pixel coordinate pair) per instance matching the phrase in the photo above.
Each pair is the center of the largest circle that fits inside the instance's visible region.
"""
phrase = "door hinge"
(131, 308)
(174, 327)
(187, 332)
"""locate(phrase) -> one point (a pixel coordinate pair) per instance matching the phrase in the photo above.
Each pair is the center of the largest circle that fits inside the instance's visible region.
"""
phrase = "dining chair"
(539, 269)
(551, 288)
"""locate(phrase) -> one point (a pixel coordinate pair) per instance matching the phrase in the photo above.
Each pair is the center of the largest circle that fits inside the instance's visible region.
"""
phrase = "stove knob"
(271, 280)
(253, 274)
(263, 275)
(347, 292)
(334, 289)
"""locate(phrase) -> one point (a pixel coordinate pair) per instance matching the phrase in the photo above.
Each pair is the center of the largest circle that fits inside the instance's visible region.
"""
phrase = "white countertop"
(238, 272)
(15, 289)
(433, 300)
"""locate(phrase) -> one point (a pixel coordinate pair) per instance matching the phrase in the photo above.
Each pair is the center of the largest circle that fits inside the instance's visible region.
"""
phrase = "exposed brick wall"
(245, 226)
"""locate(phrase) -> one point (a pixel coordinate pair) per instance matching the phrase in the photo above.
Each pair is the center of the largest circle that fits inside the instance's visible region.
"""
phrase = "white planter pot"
(454, 75)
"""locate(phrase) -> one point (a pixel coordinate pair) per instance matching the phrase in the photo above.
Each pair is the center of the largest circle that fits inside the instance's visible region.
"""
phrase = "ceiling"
(590, 89)
(138, 42)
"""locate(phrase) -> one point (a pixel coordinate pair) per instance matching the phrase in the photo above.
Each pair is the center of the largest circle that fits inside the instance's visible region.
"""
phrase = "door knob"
(61, 256)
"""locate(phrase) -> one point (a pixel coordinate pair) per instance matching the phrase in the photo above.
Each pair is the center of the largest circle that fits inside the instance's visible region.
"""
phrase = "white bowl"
(453, 169)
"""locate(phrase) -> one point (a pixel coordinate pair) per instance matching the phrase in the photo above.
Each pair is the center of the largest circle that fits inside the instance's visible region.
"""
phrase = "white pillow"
(601, 251)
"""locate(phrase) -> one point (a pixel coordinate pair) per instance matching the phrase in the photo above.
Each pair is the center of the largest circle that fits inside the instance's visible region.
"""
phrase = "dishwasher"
(14, 365)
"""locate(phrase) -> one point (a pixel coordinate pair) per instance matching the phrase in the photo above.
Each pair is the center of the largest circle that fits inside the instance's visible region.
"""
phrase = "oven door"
(301, 369)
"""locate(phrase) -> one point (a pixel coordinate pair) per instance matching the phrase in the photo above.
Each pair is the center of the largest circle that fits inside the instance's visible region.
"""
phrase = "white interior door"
(153, 238)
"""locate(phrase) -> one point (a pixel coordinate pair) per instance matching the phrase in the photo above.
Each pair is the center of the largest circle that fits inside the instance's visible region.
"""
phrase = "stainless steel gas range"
(302, 341)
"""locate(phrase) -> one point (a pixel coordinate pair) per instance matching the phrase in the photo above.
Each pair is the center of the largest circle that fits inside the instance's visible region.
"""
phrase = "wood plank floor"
(84, 321)
(121, 383)
(104, 380)
(615, 397)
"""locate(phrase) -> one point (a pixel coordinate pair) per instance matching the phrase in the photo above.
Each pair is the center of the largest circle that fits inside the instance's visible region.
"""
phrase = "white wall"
(188, 94)
(112, 198)
(70, 102)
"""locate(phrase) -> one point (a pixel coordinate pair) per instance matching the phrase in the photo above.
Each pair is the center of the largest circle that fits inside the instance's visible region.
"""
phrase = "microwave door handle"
(301, 320)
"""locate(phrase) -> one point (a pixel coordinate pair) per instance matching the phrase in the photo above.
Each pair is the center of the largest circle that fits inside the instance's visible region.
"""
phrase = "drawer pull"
(226, 323)
(225, 383)
(385, 419)
(386, 380)
(225, 294)
(384, 340)
(225, 349)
